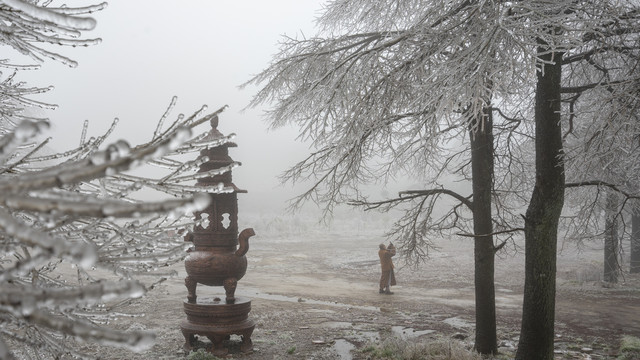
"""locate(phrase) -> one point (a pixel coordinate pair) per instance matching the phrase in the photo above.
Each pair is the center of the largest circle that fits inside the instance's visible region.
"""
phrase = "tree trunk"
(611, 265)
(482, 180)
(542, 217)
(635, 241)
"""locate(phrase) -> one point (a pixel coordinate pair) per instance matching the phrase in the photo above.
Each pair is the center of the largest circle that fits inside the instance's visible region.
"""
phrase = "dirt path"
(323, 288)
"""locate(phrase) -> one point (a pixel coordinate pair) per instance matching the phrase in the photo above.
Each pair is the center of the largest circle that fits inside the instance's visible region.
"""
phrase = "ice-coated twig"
(164, 117)
(23, 132)
(184, 190)
(184, 167)
(11, 166)
(205, 174)
(59, 18)
(166, 163)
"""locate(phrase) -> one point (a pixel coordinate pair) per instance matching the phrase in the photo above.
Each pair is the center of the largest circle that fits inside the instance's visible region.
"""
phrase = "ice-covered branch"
(492, 234)
(57, 16)
(80, 253)
(102, 208)
(410, 195)
(134, 340)
(114, 159)
(30, 25)
(465, 200)
(23, 301)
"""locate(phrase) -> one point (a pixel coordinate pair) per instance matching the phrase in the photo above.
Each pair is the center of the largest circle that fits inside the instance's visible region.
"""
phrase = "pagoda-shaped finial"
(214, 122)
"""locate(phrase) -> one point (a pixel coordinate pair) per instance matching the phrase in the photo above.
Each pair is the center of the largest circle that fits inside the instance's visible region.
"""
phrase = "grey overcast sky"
(197, 50)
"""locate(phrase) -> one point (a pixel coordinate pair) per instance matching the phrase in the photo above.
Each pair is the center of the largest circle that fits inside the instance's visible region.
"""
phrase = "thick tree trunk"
(635, 241)
(611, 265)
(542, 217)
(482, 175)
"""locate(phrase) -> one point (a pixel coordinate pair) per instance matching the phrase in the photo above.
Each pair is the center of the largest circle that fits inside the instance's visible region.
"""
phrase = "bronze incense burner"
(215, 259)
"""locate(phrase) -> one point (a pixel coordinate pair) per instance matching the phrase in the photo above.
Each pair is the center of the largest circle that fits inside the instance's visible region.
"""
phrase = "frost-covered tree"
(386, 89)
(69, 218)
(391, 88)
(602, 149)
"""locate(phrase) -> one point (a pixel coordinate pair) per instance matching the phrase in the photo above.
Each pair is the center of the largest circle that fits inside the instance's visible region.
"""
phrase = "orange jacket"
(385, 257)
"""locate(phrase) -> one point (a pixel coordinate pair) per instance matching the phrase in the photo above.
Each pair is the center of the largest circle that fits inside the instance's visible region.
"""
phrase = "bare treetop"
(385, 89)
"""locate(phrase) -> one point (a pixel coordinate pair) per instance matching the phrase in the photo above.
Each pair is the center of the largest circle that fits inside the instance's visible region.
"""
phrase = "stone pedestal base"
(218, 320)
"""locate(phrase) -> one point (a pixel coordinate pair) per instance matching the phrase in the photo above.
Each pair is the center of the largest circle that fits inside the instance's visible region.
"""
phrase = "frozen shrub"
(629, 348)
(397, 349)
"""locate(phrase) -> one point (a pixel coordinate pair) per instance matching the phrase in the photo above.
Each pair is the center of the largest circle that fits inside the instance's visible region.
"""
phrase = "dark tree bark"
(482, 180)
(611, 265)
(543, 214)
(635, 241)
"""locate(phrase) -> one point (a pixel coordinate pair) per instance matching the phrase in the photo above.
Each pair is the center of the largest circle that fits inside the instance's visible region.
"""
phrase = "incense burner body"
(213, 266)
(215, 262)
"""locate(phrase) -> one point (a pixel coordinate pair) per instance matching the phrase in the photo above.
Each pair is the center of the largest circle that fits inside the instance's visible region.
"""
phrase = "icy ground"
(315, 296)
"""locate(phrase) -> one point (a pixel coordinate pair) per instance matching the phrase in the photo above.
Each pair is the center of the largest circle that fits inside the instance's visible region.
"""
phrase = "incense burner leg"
(216, 348)
(247, 344)
(230, 285)
(189, 340)
(191, 284)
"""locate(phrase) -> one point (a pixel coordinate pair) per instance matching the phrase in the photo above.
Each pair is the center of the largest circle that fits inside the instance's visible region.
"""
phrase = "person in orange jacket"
(387, 279)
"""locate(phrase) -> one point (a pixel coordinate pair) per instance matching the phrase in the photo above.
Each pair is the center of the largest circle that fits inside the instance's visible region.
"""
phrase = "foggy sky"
(198, 50)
